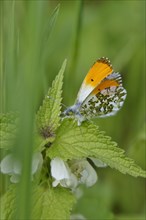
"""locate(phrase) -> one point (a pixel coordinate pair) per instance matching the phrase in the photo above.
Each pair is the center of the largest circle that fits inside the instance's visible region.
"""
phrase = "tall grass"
(24, 39)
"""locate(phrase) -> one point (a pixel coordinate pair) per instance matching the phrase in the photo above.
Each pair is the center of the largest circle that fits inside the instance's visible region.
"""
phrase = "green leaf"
(52, 203)
(40, 142)
(47, 203)
(48, 118)
(84, 141)
(7, 202)
(8, 130)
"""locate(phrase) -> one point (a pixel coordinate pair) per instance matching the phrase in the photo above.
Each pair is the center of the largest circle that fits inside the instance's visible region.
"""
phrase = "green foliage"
(48, 118)
(68, 141)
(48, 203)
(8, 130)
(7, 202)
(30, 57)
(74, 142)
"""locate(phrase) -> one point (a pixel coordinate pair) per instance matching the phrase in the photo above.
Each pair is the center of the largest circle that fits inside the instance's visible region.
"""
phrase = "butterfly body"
(101, 93)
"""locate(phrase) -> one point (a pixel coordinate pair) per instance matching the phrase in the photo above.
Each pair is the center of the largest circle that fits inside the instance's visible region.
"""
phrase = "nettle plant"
(62, 160)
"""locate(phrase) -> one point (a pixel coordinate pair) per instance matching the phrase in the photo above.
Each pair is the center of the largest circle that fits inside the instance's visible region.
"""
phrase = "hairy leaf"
(84, 141)
(47, 203)
(48, 118)
(52, 203)
(7, 202)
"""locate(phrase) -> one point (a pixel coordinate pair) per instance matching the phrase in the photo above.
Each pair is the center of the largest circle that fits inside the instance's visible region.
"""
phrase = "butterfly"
(101, 93)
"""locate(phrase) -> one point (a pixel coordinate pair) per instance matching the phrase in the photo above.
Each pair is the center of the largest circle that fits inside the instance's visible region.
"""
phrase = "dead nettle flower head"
(47, 132)
(74, 172)
(13, 167)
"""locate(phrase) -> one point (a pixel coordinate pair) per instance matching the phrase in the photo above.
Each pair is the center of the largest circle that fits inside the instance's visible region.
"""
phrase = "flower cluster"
(68, 174)
(75, 172)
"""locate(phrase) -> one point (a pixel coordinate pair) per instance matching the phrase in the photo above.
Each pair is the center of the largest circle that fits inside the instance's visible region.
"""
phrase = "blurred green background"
(35, 41)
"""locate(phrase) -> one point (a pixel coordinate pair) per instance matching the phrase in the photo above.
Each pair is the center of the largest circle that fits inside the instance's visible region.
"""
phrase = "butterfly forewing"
(100, 70)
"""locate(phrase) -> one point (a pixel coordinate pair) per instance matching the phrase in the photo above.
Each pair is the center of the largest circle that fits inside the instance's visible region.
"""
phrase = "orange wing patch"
(100, 69)
(105, 84)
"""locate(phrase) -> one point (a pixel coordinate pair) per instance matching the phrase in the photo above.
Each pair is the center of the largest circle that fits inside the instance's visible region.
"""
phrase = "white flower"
(84, 171)
(62, 174)
(72, 174)
(11, 166)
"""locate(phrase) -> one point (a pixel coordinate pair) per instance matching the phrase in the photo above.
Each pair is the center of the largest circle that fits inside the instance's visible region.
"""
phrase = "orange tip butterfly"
(101, 93)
